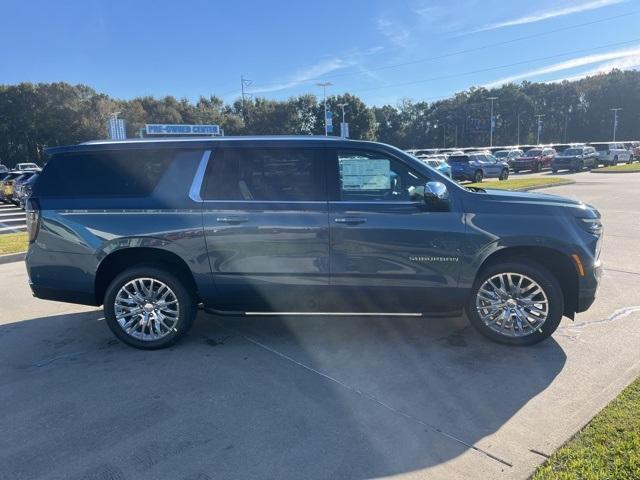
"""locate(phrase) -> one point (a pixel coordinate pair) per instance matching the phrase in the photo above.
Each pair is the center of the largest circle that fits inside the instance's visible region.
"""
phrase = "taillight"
(32, 211)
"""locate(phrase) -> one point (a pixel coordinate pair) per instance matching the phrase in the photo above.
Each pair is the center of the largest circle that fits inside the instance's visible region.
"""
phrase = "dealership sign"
(164, 129)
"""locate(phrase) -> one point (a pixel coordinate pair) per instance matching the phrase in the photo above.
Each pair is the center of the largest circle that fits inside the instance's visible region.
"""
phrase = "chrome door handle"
(232, 219)
(350, 220)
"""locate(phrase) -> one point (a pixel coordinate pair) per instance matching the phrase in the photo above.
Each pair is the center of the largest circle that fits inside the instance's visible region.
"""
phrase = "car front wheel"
(478, 176)
(504, 175)
(149, 308)
(516, 303)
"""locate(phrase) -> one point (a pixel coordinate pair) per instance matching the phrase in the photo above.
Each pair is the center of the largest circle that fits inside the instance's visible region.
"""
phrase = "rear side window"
(278, 174)
(124, 173)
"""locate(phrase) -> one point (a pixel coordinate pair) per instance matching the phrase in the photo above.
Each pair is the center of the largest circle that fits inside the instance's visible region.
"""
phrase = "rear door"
(390, 252)
(266, 228)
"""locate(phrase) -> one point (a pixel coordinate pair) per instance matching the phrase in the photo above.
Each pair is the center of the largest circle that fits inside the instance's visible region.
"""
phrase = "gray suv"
(153, 229)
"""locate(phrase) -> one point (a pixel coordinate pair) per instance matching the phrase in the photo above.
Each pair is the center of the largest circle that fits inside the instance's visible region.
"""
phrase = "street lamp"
(324, 86)
(491, 126)
(615, 121)
(519, 114)
(539, 117)
(342, 105)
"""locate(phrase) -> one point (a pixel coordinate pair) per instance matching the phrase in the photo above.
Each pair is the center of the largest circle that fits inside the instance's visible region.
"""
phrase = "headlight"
(591, 225)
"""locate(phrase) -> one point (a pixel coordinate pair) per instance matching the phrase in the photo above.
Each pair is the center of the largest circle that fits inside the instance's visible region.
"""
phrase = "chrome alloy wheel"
(147, 309)
(512, 304)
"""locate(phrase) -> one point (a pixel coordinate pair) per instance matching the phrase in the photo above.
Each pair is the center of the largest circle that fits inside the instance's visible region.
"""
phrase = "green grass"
(607, 448)
(624, 167)
(13, 243)
(522, 183)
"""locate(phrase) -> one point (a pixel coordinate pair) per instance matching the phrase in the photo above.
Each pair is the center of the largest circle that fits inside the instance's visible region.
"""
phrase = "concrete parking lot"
(314, 397)
(12, 219)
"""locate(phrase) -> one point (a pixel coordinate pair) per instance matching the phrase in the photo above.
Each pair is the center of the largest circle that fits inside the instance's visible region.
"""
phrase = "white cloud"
(397, 33)
(547, 14)
(628, 63)
(305, 75)
(568, 64)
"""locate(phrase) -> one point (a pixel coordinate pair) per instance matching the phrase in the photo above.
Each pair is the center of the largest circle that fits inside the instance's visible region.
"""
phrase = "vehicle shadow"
(259, 397)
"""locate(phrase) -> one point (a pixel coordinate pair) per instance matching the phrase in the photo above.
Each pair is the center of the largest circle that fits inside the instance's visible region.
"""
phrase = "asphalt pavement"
(314, 397)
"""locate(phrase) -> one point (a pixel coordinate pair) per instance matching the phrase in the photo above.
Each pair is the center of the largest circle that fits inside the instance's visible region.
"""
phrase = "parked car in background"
(477, 166)
(6, 186)
(24, 190)
(508, 155)
(635, 151)
(575, 159)
(18, 185)
(3, 168)
(612, 153)
(300, 224)
(535, 160)
(27, 166)
(439, 162)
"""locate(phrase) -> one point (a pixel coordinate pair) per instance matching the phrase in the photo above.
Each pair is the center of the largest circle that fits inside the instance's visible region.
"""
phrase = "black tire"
(545, 279)
(478, 176)
(504, 175)
(186, 311)
(538, 167)
(515, 170)
(554, 170)
(615, 160)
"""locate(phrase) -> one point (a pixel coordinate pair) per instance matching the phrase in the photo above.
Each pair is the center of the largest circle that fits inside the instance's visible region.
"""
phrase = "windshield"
(534, 152)
(501, 154)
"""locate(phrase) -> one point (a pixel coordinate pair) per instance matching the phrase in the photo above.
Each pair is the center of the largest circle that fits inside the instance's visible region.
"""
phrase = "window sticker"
(361, 173)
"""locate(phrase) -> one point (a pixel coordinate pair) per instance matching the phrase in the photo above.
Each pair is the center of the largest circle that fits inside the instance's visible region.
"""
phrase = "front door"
(390, 251)
(266, 228)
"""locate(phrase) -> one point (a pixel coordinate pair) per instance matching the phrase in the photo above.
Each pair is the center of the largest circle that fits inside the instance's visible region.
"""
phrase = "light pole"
(342, 105)
(615, 121)
(324, 86)
(491, 126)
(519, 114)
(539, 117)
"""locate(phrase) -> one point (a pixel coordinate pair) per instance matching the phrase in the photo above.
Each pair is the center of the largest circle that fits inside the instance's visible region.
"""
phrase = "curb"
(12, 257)
(615, 171)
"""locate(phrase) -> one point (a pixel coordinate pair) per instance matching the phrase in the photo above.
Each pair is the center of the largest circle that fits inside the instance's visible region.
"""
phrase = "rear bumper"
(60, 295)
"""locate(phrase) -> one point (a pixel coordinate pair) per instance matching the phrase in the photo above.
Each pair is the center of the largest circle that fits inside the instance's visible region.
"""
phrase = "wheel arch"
(557, 262)
(119, 260)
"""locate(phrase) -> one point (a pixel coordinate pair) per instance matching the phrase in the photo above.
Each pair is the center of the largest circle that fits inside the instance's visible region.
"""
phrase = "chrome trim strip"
(338, 314)
(196, 185)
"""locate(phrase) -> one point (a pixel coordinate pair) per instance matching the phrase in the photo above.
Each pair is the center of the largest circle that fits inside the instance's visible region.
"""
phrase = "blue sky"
(379, 50)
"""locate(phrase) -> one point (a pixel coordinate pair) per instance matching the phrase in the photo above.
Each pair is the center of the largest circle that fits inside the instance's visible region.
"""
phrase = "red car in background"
(535, 160)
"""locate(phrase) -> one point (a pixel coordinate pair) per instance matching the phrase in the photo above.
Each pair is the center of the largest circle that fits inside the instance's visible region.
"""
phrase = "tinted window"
(95, 174)
(601, 147)
(534, 152)
(458, 159)
(265, 175)
(501, 154)
(573, 151)
(366, 176)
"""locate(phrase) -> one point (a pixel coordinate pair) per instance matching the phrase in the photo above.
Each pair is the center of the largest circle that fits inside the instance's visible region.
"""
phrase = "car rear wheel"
(554, 170)
(478, 176)
(538, 167)
(615, 160)
(504, 175)
(516, 303)
(148, 308)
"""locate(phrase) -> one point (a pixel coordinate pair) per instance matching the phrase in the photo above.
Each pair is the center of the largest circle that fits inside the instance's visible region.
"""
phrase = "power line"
(497, 67)
(469, 50)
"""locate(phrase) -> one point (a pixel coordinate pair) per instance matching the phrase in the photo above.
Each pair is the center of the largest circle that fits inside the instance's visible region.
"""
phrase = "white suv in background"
(612, 153)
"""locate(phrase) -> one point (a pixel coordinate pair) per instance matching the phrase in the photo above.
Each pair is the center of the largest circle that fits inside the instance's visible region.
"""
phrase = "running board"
(329, 314)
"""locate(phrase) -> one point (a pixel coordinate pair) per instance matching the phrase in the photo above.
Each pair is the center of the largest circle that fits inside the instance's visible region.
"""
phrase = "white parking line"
(12, 229)
(14, 220)
(12, 214)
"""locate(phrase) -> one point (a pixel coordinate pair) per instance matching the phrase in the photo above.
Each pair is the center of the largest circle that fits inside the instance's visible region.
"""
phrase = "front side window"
(265, 175)
(366, 176)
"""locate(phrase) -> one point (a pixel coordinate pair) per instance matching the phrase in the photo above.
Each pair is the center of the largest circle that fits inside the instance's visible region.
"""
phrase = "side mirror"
(435, 192)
